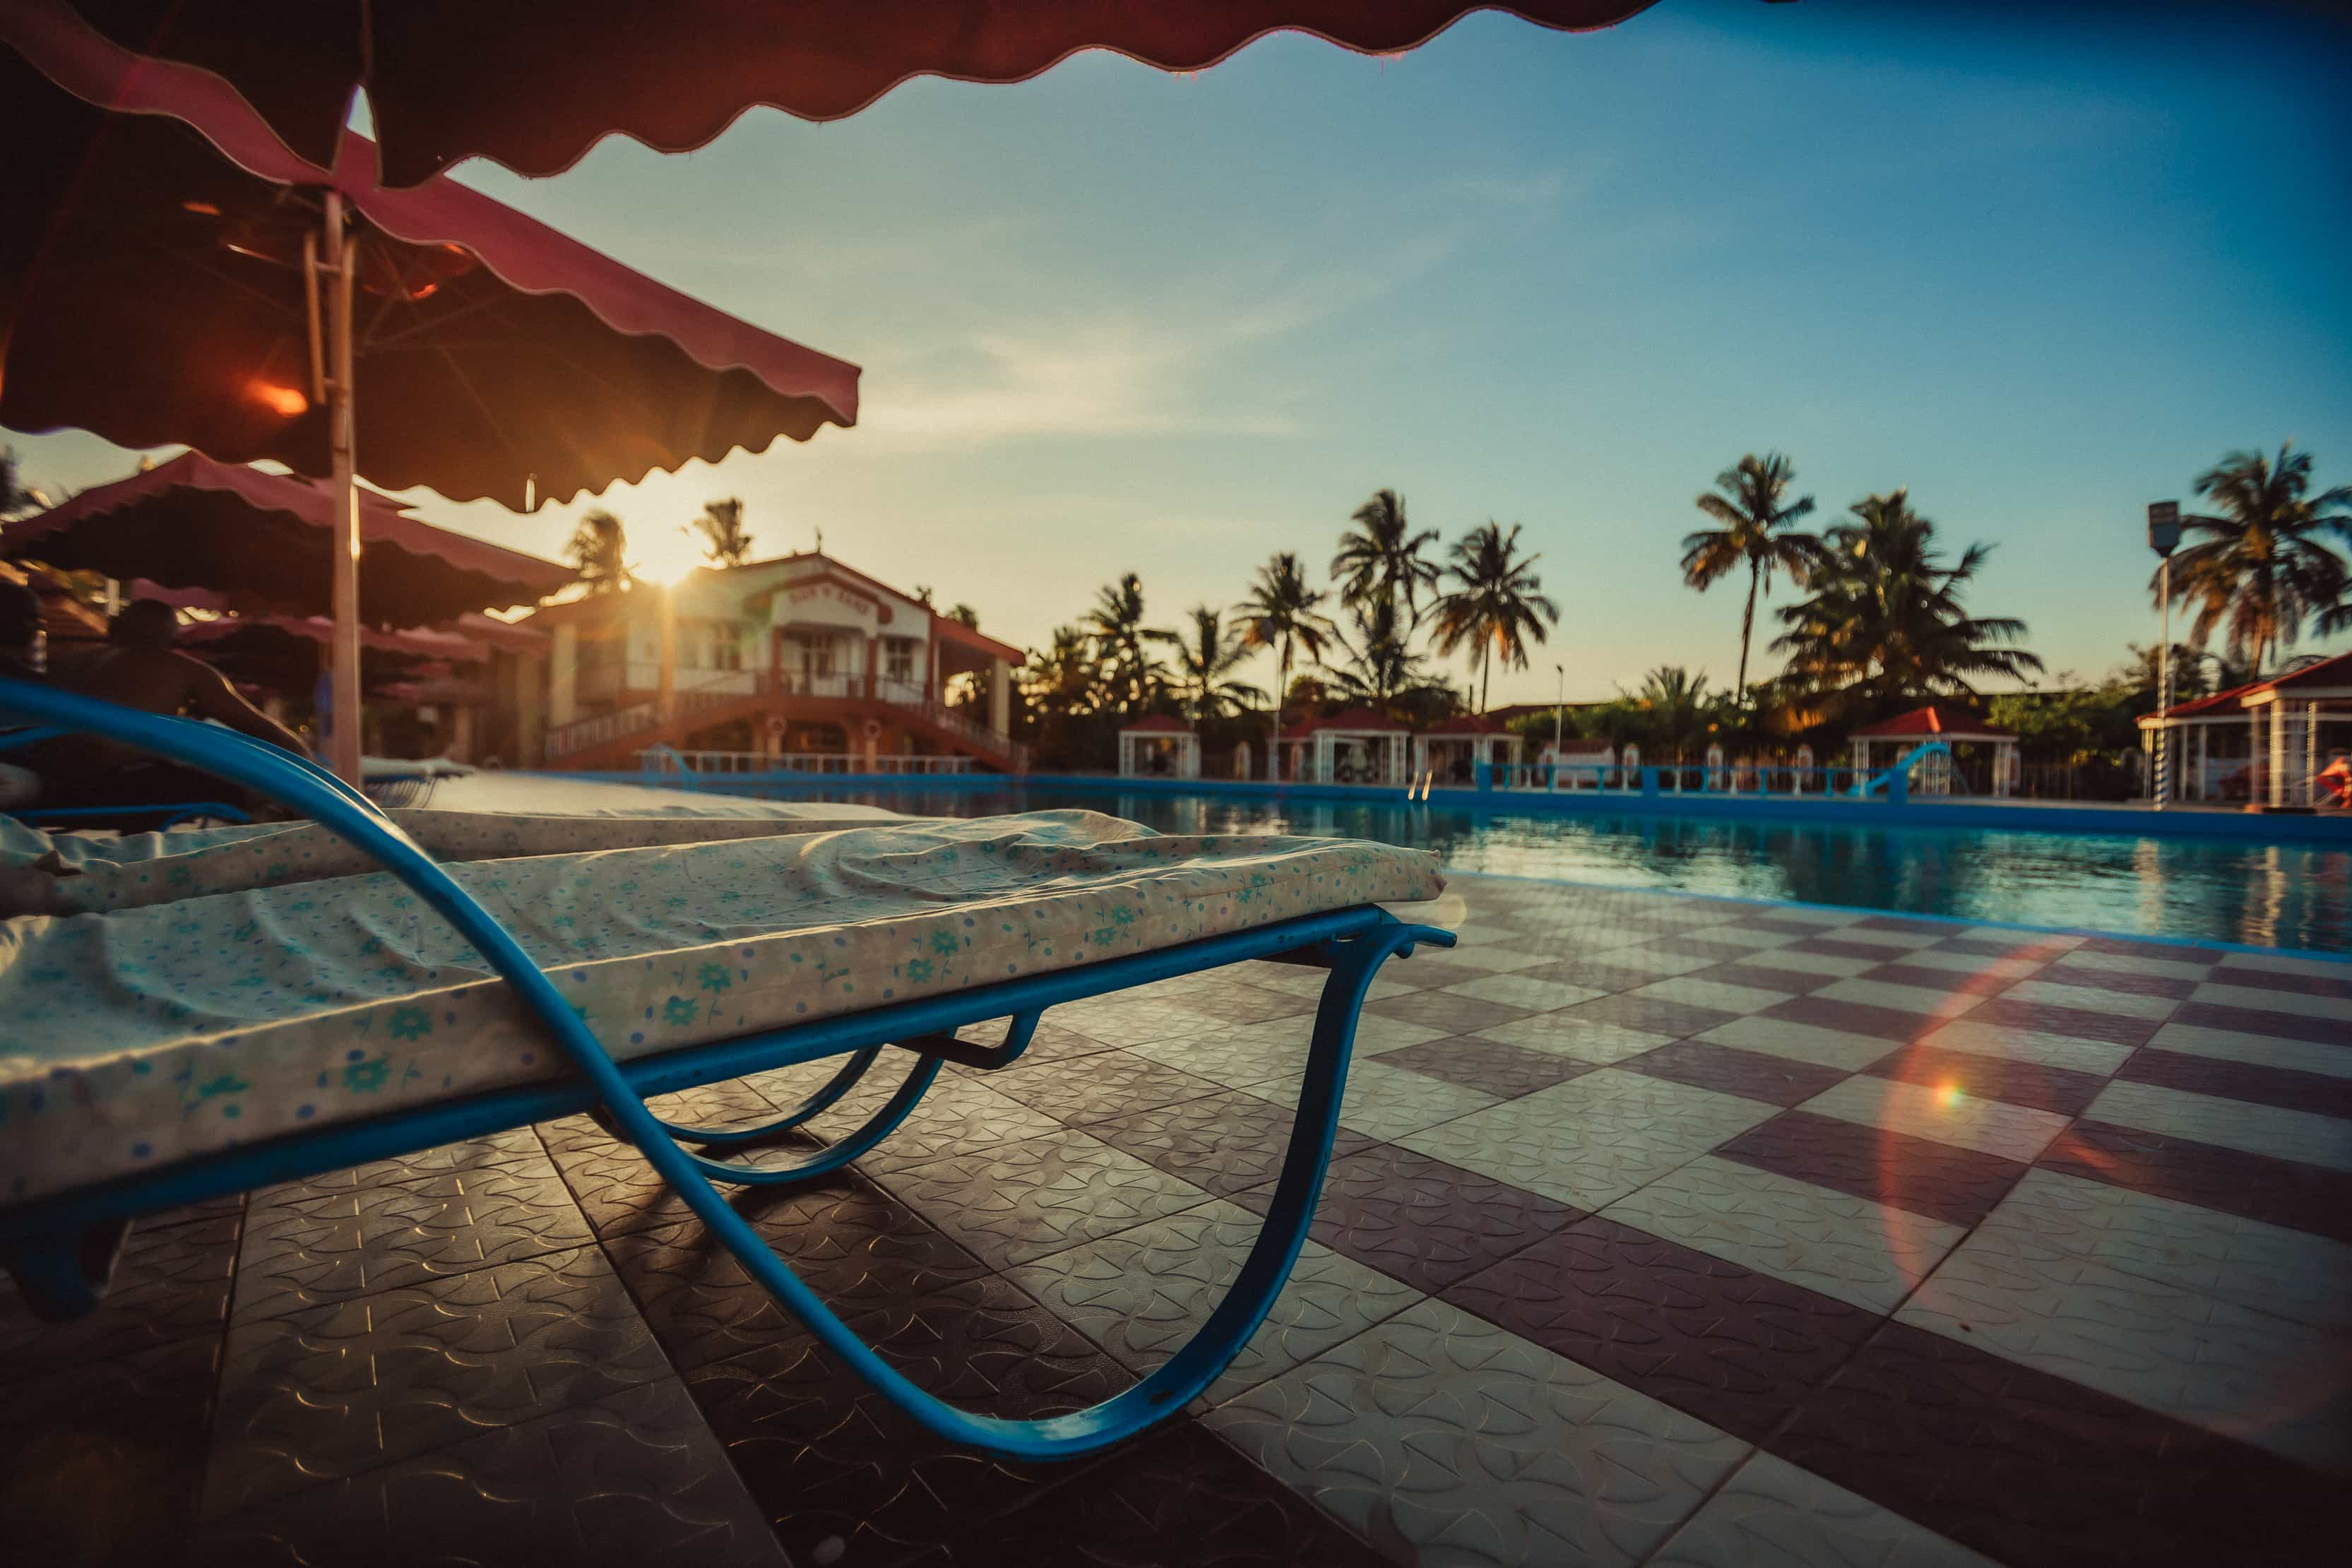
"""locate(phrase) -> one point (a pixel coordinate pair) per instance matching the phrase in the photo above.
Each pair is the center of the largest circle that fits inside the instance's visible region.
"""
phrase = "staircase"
(612, 741)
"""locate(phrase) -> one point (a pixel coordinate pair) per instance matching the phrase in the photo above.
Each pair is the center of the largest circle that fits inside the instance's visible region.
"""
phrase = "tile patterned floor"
(1660, 1230)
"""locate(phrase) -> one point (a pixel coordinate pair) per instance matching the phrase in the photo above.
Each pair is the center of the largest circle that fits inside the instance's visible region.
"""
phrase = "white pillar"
(2275, 793)
(563, 677)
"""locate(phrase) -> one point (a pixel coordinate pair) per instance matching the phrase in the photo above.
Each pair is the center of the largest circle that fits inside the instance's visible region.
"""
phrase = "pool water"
(2265, 895)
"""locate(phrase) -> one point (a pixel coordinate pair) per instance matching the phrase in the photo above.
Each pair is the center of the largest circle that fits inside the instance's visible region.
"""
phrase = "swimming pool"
(2267, 895)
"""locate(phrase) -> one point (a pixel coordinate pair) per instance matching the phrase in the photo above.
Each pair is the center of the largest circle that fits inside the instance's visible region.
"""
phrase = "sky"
(2040, 271)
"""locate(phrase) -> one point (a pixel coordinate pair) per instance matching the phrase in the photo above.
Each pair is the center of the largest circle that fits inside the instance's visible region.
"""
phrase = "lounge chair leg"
(1194, 1366)
(880, 1125)
(62, 1276)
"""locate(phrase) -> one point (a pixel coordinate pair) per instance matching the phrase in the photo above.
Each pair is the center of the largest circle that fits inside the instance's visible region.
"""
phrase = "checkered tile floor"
(1661, 1230)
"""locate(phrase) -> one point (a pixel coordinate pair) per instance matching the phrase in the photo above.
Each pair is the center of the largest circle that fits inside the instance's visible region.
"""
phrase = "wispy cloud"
(1177, 370)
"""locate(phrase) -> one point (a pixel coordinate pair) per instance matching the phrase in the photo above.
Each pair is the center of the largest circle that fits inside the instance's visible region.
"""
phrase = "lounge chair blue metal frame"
(60, 1247)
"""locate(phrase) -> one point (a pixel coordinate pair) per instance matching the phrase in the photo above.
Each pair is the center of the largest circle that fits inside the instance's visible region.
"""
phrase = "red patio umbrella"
(163, 280)
(207, 535)
(534, 83)
(283, 653)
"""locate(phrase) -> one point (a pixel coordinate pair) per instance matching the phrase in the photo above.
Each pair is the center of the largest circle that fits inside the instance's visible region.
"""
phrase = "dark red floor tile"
(1893, 1024)
(1959, 1186)
(2295, 1091)
(852, 1243)
(2260, 1021)
(2339, 987)
(1595, 974)
(1926, 977)
(1490, 1066)
(1733, 1347)
(1226, 1142)
(2006, 944)
(2061, 1089)
(2114, 1028)
(1652, 1014)
(1761, 974)
(2277, 1191)
(1096, 1087)
(1426, 971)
(1906, 925)
(1836, 947)
(1180, 1496)
(844, 1477)
(1422, 1220)
(1698, 947)
(1447, 1010)
(1751, 1075)
(2181, 952)
(2033, 1471)
(2177, 987)
(169, 1284)
(1782, 925)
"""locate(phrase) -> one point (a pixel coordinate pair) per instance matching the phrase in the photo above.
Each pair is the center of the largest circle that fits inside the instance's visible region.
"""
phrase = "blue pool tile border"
(2080, 820)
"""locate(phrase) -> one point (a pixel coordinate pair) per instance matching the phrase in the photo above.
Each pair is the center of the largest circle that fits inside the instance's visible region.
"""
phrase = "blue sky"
(2040, 272)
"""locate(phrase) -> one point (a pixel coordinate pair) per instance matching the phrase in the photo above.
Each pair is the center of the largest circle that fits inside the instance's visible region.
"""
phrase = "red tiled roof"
(1936, 718)
(2336, 671)
(1468, 724)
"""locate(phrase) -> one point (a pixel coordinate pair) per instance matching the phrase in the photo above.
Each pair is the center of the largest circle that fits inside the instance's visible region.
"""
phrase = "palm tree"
(15, 496)
(2259, 566)
(722, 527)
(1675, 703)
(1884, 620)
(1381, 669)
(1495, 606)
(1065, 676)
(1207, 654)
(1116, 623)
(1281, 611)
(1749, 501)
(1380, 558)
(599, 552)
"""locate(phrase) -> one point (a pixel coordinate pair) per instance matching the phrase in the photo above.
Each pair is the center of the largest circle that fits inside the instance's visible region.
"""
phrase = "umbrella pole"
(344, 737)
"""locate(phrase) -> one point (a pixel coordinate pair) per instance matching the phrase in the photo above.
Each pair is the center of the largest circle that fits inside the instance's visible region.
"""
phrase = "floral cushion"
(148, 1035)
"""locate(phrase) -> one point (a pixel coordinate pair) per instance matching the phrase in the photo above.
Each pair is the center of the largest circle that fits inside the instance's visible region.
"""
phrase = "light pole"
(1559, 707)
(2164, 537)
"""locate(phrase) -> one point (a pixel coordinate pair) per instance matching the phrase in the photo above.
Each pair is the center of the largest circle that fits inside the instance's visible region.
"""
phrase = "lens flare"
(281, 400)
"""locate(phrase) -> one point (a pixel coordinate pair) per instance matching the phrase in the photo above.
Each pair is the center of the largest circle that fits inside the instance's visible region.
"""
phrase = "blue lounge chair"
(59, 1244)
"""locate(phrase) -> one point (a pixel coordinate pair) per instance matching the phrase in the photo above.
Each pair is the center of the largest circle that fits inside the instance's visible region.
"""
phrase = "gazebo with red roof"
(1946, 721)
(1321, 751)
(1159, 746)
(2283, 718)
(1457, 747)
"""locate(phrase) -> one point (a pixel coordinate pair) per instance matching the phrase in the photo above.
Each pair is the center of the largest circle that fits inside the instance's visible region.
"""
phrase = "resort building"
(800, 661)
(2269, 742)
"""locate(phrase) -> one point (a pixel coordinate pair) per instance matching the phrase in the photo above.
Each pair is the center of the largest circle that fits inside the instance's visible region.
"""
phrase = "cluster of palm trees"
(599, 547)
(1883, 621)
(1349, 644)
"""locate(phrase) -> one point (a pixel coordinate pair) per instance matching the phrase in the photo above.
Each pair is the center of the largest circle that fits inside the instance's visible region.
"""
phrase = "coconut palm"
(1380, 558)
(1495, 606)
(1673, 703)
(1207, 653)
(1381, 669)
(1064, 678)
(722, 527)
(2259, 571)
(1757, 520)
(1281, 611)
(599, 550)
(1884, 620)
(1121, 639)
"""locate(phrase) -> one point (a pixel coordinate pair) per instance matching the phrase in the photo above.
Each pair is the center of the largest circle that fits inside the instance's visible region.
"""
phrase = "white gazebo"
(1451, 752)
(1945, 721)
(2284, 717)
(1159, 747)
(1358, 746)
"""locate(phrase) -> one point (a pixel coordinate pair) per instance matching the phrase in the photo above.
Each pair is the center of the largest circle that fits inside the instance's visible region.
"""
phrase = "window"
(726, 645)
(899, 659)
